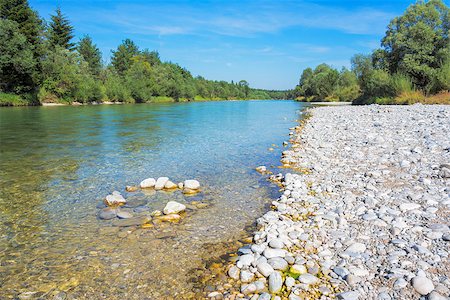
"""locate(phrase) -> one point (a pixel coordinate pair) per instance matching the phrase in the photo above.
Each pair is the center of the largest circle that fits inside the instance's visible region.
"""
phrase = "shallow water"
(58, 163)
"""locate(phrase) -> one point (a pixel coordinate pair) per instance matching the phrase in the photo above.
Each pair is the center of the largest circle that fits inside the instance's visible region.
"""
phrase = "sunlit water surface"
(58, 163)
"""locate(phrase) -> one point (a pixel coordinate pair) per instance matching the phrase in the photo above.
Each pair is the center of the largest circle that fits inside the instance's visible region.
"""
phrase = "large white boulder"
(148, 183)
(161, 182)
(173, 207)
(115, 199)
(191, 184)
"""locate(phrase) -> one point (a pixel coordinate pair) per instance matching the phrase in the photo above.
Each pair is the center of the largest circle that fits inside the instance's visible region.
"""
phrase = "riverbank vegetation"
(40, 63)
(412, 65)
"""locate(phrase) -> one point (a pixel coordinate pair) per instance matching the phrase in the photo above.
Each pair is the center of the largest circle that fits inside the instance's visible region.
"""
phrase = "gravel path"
(369, 216)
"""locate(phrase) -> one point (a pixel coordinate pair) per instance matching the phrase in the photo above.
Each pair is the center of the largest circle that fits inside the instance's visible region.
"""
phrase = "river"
(58, 163)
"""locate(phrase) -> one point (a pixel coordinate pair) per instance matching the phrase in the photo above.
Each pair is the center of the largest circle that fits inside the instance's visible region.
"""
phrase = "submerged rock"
(169, 218)
(124, 215)
(107, 213)
(131, 189)
(173, 207)
(131, 222)
(115, 199)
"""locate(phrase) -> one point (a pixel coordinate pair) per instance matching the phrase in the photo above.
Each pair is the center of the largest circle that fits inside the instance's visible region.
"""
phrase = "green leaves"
(61, 32)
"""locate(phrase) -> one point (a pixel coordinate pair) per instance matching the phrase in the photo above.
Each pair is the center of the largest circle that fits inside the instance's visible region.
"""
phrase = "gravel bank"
(368, 218)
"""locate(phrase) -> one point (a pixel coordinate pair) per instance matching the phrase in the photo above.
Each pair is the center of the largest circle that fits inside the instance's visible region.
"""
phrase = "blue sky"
(268, 43)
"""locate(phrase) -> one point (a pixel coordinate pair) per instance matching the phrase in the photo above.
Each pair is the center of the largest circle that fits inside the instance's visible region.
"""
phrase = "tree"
(245, 87)
(122, 57)
(414, 42)
(91, 54)
(17, 64)
(61, 32)
(29, 23)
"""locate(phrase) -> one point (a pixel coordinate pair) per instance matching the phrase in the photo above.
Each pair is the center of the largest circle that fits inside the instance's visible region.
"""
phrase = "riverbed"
(58, 163)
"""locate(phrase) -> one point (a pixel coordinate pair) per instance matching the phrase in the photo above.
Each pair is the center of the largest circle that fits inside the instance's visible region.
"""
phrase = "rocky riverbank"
(368, 216)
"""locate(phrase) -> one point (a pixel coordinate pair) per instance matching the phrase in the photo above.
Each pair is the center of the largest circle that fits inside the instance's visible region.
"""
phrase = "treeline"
(412, 65)
(39, 63)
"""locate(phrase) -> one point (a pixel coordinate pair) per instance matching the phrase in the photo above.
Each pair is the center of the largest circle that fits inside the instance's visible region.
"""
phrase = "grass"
(16, 100)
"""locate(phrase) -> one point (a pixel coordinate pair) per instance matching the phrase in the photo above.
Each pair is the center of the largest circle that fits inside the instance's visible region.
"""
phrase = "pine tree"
(122, 57)
(61, 32)
(91, 54)
(29, 23)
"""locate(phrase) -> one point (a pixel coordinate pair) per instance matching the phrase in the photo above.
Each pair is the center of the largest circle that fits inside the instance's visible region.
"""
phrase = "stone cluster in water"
(368, 218)
(171, 212)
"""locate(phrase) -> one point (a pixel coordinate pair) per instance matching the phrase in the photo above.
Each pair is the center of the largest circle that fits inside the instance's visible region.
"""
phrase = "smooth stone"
(131, 189)
(140, 209)
(233, 272)
(293, 296)
(173, 207)
(260, 286)
(170, 185)
(246, 276)
(107, 213)
(247, 259)
(156, 213)
(161, 182)
(352, 279)
(275, 282)
(409, 206)
(131, 222)
(436, 296)
(148, 183)
(124, 215)
(187, 191)
(356, 248)
(276, 243)
(341, 272)
(271, 253)
(351, 295)
(278, 263)
(258, 248)
(115, 199)
(400, 284)
(248, 288)
(298, 270)
(422, 285)
(308, 279)
(191, 184)
(289, 282)
(264, 296)
(169, 218)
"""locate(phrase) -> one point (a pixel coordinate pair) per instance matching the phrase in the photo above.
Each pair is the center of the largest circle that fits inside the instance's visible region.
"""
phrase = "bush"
(401, 84)
(13, 100)
(116, 90)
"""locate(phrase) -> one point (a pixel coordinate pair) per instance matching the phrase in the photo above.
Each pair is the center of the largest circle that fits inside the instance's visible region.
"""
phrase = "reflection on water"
(57, 163)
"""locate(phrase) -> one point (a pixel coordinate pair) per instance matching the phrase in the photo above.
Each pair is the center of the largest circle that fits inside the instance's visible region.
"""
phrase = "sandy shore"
(366, 216)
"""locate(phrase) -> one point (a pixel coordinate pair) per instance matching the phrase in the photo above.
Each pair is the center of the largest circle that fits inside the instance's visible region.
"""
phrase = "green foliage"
(67, 78)
(327, 84)
(121, 59)
(91, 54)
(116, 89)
(60, 32)
(29, 23)
(414, 42)
(16, 100)
(44, 64)
(401, 83)
(17, 63)
(139, 80)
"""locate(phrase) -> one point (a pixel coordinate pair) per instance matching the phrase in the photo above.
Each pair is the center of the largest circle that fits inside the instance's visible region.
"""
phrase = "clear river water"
(58, 163)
